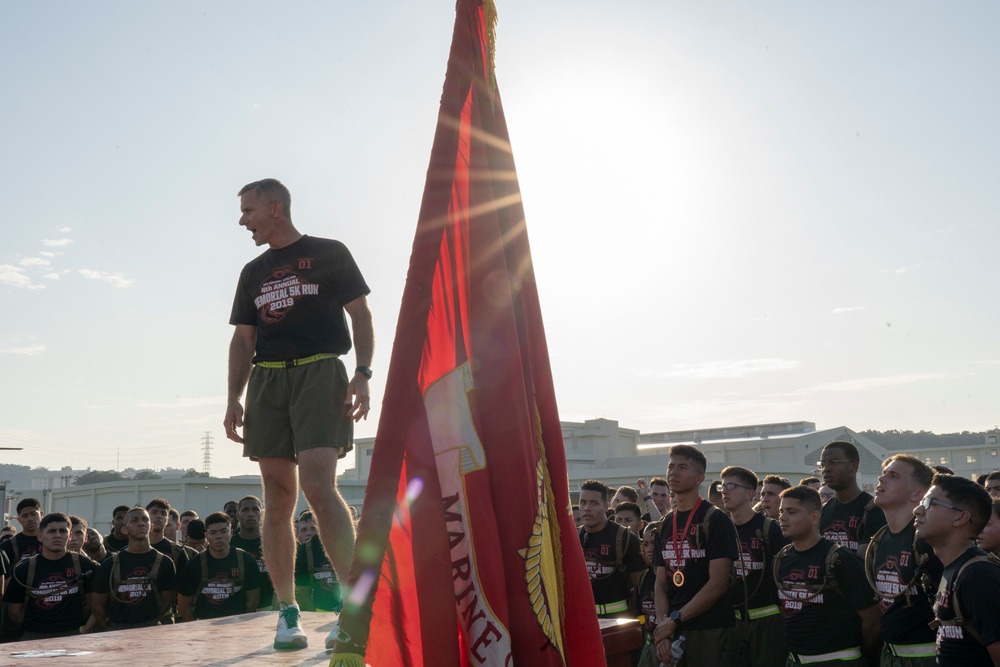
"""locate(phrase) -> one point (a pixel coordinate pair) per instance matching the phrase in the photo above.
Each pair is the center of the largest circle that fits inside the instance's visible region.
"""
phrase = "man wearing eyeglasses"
(901, 568)
(851, 517)
(754, 595)
(950, 516)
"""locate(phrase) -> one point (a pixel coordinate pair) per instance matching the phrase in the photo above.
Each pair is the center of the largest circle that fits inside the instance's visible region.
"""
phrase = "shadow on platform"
(235, 640)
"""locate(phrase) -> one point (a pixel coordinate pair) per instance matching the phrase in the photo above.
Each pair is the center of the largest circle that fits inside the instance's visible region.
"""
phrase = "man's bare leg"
(281, 495)
(317, 474)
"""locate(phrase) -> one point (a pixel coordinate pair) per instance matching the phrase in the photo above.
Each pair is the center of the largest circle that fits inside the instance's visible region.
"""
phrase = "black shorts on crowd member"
(289, 410)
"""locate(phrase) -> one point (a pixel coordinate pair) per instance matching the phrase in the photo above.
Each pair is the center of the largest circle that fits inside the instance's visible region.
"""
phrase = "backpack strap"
(154, 573)
(831, 561)
(765, 534)
(621, 541)
(869, 506)
(116, 572)
(17, 552)
(29, 583)
(703, 525)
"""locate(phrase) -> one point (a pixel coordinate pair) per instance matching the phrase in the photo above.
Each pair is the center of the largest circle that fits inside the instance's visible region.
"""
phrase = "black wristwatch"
(675, 616)
(647, 497)
(364, 370)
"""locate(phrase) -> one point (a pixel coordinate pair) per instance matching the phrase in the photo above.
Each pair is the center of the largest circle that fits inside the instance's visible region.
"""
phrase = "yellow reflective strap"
(296, 362)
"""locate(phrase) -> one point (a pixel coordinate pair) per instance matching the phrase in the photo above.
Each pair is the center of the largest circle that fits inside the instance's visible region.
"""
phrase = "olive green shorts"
(289, 410)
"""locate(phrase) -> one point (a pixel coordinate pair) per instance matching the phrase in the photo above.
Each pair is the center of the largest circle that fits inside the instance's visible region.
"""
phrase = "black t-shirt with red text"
(848, 524)
(645, 600)
(976, 591)
(827, 620)
(53, 599)
(897, 571)
(755, 559)
(694, 551)
(609, 580)
(295, 296)
(222, 593)
(131, 597)
(255, 548)
(18, 548)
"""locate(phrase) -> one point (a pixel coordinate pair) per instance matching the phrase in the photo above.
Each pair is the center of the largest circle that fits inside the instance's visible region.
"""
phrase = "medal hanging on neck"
(678, 576)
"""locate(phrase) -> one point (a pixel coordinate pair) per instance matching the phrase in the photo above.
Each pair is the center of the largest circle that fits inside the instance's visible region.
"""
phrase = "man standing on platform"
(291, 330)
(753, 594)
(49, 594)
(248, 538)
(851, 517)
(611, 551)
(900, 567)
(694, 553)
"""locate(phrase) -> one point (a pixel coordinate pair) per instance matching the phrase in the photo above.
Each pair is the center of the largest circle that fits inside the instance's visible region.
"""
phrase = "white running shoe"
(331, 638)
(289, 634)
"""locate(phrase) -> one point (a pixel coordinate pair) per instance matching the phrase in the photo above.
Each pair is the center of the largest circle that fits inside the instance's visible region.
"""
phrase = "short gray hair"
(270, 190)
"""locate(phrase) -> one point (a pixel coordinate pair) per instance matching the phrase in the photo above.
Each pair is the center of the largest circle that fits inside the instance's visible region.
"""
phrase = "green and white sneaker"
(289, 634)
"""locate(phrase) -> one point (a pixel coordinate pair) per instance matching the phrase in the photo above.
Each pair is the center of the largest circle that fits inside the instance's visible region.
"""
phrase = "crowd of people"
(61, 577)
(764, 573)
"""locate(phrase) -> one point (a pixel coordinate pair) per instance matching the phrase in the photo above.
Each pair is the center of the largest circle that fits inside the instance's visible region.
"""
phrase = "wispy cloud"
(51, 276)
(16, 277)
(902, 269)
(35, 261)
(56, 243)
(65, 230)
(28, 351)
(729, 368)
(865, 384)
(49, 253)
(116, 279)
(848, 309)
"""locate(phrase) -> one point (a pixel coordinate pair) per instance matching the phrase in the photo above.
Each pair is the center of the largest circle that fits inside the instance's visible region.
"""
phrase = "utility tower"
(206, 462)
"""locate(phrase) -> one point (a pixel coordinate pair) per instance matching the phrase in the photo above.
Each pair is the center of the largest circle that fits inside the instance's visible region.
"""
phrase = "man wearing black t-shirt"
(693, 558)
(159, 516)
(831, 614)
(49, 592)
(291, 329)
(611, 552)
(136, 586)
(851, 517)
(902, 568)
(117, 540)
(248, 538)
(967, 609)
(753, 594)
(24, 544)
(220, 581)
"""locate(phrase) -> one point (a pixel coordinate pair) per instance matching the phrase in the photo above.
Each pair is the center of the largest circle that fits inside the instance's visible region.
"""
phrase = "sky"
(739, 213)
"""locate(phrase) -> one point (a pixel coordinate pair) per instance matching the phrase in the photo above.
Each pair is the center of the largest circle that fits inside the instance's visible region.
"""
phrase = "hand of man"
(663, 632)
(641, 483)
(663, 652)
(358, 401)
(233, 420)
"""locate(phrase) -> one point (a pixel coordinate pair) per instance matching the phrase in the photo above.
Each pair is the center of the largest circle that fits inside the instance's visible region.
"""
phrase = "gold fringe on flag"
(490, 19)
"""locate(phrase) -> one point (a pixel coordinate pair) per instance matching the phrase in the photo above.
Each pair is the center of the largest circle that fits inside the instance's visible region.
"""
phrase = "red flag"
(467, 553)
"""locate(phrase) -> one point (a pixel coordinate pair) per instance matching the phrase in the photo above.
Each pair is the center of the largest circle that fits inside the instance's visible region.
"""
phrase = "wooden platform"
(235, 640)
